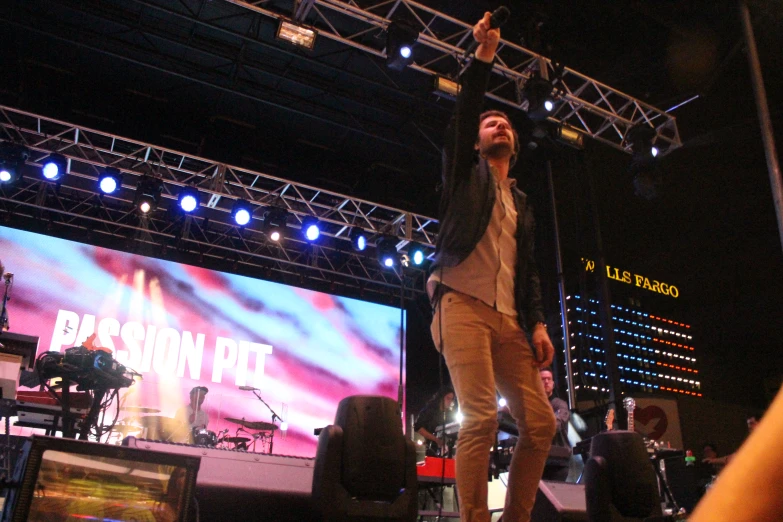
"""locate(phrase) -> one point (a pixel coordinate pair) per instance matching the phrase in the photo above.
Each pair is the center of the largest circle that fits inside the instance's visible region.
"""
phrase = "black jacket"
(468, 197)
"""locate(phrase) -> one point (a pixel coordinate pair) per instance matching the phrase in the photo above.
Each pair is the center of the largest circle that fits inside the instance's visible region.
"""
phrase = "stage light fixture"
(242, 211)
(299, 35)
(54, 167)
(540, 97)
(147, 194)
(388, 256)
(109, 180)
(570, 136)
(416, 253)
(358, 239)
(647, 175)
(311, 228)
(641, 138)
(189, 199)
(12, 158)
(275, 221)
(400, 39)
(446, 88)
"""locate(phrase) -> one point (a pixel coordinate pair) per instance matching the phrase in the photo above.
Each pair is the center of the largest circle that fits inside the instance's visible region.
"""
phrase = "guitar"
(630, 406)
(609, 420)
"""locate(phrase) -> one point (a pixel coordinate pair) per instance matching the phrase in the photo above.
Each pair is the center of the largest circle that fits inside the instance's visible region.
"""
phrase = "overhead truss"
(594, 108)
(77, 202)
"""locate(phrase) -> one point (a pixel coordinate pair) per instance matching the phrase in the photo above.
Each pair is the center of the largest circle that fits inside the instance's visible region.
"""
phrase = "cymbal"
(252, 425)
(126, 428)
(166, 423)
(140, 409)
(236, 440)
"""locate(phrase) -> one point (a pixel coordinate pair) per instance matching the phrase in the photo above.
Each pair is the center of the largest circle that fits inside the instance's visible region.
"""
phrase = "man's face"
(197, 398)
(709, 453)
(496, 139)
(752, 423)
(448, 401)
(549, 383)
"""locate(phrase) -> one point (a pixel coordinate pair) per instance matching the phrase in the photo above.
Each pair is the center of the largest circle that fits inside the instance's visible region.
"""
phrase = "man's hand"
(542, 346)
(487, 39)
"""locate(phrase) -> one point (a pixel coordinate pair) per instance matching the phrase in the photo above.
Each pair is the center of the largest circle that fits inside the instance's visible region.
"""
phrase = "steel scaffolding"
(77, 202)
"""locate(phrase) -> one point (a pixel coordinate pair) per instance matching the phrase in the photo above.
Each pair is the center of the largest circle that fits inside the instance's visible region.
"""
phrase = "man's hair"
(202, 389)
(755, 415)
(515, 153)
(546, 369)
(711, 445)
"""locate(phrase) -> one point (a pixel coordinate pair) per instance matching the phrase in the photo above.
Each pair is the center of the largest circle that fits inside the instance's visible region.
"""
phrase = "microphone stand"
(274, 416)
(4, 326)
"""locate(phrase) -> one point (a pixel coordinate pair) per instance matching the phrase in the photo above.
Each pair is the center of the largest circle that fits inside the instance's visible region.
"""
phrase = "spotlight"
(275, 220)
(570, 136)
(147, 194)
(109, 180)
(641, 139)
(54, 167)
(387, 251)
(189, 199)
(12, 158)
(299, 35)
(241, 212)
(446, 88)
(311, 228)
(647, 176)
(358, 239)
(400, 38)
(540, 98)
(416, 253)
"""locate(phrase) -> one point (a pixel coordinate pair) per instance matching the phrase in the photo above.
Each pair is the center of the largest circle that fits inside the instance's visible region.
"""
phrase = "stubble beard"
(500, 150)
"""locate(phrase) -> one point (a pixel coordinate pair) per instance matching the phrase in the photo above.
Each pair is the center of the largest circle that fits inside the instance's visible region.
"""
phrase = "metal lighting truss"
(75, 201)
(595, 109)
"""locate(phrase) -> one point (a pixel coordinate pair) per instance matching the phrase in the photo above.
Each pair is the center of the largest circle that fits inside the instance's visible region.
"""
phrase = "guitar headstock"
(630, 404)
(609, 420)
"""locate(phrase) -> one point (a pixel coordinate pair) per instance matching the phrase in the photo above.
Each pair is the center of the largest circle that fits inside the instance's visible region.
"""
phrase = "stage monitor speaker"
(559, 502)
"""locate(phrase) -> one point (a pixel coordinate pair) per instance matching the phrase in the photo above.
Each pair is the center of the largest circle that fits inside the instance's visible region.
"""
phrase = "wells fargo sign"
(635, 279)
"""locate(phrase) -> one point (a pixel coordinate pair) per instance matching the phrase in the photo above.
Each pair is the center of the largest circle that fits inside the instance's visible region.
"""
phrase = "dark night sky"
(712, 231)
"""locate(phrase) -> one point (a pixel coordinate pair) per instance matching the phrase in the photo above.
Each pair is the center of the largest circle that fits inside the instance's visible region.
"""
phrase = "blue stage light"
(242, 211)
(109, 180)
(311, 228)
(189, 199)
(54, 167)
(416, 253)
(358, 239)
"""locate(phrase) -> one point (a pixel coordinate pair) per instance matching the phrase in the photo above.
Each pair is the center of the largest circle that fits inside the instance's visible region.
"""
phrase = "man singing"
(487, 294)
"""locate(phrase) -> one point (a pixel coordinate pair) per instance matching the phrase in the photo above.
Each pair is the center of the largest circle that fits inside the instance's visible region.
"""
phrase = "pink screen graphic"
(182, 326)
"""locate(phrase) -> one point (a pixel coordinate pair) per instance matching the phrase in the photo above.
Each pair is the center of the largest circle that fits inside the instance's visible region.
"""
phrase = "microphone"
(247, 388)
(498, 17)
(8, 276)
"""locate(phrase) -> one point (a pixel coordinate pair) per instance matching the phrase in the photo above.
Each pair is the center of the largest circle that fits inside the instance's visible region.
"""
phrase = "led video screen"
(182, 326)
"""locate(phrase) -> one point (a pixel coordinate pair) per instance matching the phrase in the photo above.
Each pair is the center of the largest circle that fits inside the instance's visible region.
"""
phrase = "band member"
(438, 411)
(487, 297)
(192, 414)
(556, 470)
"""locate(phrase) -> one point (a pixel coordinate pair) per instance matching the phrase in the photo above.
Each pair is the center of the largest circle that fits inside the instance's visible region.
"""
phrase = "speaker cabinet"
(559, 502)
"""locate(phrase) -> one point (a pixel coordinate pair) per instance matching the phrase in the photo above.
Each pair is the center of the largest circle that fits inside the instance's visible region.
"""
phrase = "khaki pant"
(484, 351)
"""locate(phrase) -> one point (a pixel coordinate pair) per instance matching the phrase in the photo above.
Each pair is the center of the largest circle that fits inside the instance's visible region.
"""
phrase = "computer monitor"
(61, 479)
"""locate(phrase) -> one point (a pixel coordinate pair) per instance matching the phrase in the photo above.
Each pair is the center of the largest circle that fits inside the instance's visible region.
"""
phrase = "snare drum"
(204, 437)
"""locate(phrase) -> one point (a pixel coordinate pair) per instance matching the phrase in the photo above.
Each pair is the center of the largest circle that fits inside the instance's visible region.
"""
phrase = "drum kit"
(159, 427)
